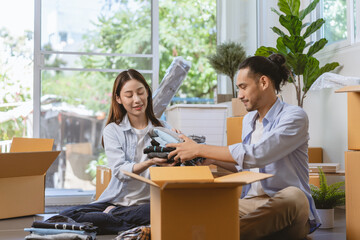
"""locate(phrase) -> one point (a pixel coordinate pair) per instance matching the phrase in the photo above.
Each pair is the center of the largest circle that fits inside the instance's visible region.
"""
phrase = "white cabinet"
(207, 120)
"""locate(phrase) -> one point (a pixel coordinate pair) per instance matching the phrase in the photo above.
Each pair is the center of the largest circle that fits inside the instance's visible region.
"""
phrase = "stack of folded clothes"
(61, 227)
(160, 137)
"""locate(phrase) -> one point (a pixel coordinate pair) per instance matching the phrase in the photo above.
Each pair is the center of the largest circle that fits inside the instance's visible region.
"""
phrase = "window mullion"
(37, 69)
(350, 21)
(155, 43)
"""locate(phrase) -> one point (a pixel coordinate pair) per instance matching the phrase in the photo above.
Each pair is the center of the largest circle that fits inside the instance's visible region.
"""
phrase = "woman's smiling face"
(133, 96)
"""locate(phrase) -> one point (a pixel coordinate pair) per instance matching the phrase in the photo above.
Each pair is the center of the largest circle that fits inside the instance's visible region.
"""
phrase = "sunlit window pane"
(16, 69)
(96, 26)
(334, 13)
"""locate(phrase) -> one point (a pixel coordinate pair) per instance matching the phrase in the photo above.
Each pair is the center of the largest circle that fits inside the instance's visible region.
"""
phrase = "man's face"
(249, 90)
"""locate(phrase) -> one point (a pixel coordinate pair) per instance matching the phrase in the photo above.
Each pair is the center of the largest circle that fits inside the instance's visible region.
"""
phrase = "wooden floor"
(13, 229)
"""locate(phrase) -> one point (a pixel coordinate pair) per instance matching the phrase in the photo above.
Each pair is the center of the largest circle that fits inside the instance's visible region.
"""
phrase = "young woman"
(124, 204)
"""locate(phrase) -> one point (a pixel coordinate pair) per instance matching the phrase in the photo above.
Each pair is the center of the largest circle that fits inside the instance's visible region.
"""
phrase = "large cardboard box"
(352, 200)
(22, 176)
(353, 102)
(189, 203)
(234, 130)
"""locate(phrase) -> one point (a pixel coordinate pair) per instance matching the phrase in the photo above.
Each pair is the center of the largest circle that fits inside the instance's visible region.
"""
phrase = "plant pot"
(326, 217)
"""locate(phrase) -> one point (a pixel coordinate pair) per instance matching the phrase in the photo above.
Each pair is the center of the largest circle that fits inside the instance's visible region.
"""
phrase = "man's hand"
(184, 151)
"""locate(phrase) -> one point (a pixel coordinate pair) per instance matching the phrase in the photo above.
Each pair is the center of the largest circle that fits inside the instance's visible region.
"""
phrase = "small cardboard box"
(353, 102)
(189, 203)
(234, 130)
(314, 180)
(315, 154)
(352, 200)
(238, 108)
(22, 176)
(103, 176)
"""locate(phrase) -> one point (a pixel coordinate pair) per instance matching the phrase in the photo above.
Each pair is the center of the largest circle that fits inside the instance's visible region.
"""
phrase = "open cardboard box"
(22, 176)
(189, 203)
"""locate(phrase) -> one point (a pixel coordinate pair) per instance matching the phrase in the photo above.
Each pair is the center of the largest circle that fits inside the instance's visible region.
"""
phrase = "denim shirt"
(120, 142)
(282, 151)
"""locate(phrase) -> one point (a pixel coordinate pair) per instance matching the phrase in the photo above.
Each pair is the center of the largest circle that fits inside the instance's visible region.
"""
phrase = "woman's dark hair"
(273, 67)
(117, 111)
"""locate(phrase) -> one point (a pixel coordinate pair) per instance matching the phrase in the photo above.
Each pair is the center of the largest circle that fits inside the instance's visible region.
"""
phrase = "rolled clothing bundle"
(161, 136)
(61, 227)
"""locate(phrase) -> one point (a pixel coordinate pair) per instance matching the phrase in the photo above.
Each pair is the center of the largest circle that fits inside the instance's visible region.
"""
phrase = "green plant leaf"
(317, 46)
(281, 47)
(289, 7)
(291, 23)
(311, 72)
(296, 44)
(328, 67)
(308, 9)
(313, 27)
(265, 51)
(327, 197)
(297, 62)
(276, 11)
(278, 31)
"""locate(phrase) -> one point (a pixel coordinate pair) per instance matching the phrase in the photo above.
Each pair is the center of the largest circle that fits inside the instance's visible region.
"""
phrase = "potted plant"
(304, 66)
(326, 198)
(227, 59)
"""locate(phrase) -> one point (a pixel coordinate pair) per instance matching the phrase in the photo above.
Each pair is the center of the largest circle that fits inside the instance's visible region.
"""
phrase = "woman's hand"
(161, 162)
(176, 130)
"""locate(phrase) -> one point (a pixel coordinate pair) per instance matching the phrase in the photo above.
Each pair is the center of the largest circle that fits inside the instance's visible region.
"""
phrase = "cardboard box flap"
(26, 164)
(31, 144)
(200, 185)
(355, 88)
(161, 175)
(243, 177)
(139, 178)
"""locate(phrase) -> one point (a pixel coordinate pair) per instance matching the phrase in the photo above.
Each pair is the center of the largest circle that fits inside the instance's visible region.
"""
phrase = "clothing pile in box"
(61, 227)
(160, 137)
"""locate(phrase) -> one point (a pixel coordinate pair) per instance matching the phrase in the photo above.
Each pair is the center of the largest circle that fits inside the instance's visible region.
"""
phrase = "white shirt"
(256, 188)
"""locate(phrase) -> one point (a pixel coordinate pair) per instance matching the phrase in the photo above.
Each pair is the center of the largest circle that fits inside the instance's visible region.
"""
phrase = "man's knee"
(293, 198)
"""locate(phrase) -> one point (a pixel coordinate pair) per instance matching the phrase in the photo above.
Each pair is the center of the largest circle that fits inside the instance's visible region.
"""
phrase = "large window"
(57, 74)
(80, 47)
(16, 70)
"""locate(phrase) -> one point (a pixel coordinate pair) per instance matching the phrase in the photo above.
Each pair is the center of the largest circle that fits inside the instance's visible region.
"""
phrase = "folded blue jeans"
(118, 219)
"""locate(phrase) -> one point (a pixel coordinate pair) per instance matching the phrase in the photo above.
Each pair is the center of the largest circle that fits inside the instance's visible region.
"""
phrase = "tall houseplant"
(326, 198)
(304, 67)
(227, 59)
